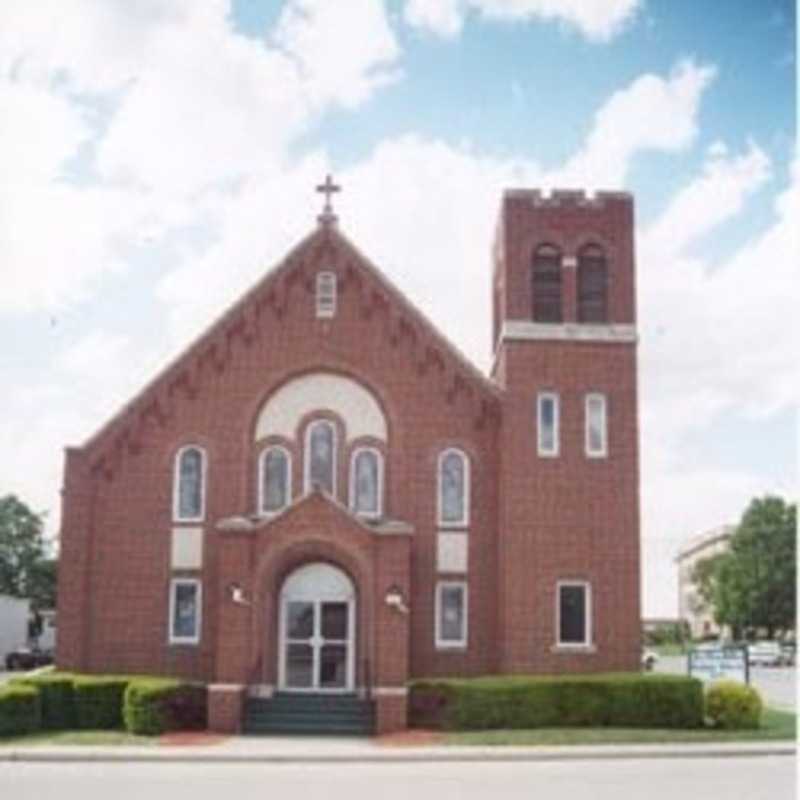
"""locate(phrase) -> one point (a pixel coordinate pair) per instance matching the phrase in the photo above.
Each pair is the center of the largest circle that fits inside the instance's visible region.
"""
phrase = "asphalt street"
(777, 685)
(730, 778)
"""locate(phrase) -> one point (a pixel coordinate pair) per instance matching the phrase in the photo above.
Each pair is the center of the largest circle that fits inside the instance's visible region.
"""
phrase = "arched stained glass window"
(592, 285)
(275, 480)
(366, 477)
(453, 488)
(320, 469)
(189, 491)
(546, 284)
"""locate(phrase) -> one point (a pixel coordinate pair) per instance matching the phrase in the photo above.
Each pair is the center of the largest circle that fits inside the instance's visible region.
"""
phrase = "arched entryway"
(316, 632)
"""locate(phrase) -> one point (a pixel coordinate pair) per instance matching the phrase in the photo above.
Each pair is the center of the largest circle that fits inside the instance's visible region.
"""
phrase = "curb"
(83, 754)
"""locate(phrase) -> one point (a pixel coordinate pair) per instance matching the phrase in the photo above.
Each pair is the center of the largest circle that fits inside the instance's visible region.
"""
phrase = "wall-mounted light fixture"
(237, 594)
(394, 599)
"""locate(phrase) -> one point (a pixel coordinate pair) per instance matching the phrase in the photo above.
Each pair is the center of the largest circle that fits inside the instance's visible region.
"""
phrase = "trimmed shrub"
(20, 710)
(731, 705)
(153, 706)
(58, 702)
(98, 700)
(623, 700)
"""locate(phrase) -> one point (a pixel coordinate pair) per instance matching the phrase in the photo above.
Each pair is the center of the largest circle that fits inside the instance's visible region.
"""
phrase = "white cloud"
(167, 105)
(333, 67)
(597, 20)
(652, 113)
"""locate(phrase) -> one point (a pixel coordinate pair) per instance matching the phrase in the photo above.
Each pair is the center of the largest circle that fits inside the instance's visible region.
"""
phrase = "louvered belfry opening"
(592, 285)
(547, 292)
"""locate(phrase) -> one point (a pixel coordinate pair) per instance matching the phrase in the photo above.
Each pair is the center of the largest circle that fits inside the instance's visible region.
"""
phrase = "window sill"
(577, 649)
(442, 647)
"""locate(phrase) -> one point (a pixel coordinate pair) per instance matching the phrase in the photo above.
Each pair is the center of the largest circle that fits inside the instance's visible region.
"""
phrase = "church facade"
(323, 497)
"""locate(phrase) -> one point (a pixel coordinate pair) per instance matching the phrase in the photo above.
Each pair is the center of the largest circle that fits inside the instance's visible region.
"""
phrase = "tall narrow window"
(451, 614)
(274, 480)
(592, 285)
(326, 295)
(320, 463)
(184, 611)
(547, 284)
(574, 613)
(366, 479)
(188, 498)
(547, 424)
(596, 426)
(453, 489)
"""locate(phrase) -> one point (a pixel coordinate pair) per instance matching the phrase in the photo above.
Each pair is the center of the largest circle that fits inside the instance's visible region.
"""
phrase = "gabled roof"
(247, 523)
(238, 321)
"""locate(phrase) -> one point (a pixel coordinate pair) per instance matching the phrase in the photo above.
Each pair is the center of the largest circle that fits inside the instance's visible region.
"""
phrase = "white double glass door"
(316, 631)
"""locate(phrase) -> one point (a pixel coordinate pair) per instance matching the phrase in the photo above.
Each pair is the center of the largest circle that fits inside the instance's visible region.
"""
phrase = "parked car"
(28, 658)
(765, 654)
(649, 659)
(789, 653)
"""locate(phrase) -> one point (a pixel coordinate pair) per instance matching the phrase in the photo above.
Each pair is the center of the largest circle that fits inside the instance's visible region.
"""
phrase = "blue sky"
(157, 158)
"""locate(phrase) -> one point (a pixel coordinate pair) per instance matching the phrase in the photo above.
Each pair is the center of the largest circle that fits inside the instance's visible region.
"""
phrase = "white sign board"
(720, 663)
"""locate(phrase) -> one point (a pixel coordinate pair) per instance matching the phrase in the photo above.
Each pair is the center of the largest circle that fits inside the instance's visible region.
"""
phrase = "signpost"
(720, 663)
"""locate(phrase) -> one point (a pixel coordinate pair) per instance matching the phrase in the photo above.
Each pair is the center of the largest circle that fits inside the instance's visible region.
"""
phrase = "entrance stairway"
(343, 714)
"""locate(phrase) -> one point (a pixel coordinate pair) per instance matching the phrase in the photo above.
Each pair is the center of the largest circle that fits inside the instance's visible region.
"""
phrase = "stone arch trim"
(276, 563)
(356, 403)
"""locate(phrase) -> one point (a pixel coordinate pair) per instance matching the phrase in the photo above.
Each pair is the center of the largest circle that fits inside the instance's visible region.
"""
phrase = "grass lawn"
(775, 726)
(103, 738)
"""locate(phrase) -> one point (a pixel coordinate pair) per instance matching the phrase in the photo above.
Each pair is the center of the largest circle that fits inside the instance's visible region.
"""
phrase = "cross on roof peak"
(328, 188)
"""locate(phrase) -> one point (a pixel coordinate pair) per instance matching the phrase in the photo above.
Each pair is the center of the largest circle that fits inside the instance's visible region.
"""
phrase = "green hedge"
(732, 706)
(20, 710)
(58, 701)
(155, 705)
(98, 700)
(620, 700)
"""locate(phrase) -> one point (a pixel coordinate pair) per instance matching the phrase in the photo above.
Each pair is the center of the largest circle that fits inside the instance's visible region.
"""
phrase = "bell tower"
(564, 333)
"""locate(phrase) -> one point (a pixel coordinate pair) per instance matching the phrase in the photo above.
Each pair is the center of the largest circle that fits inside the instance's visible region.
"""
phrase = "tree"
(42, 584)
(752, 585)
(22, 546)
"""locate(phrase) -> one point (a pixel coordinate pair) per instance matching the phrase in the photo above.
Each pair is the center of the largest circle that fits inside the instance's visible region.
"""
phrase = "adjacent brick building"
(322, 495)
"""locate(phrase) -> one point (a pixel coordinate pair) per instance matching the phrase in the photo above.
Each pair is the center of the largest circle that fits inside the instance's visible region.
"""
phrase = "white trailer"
(14, 614)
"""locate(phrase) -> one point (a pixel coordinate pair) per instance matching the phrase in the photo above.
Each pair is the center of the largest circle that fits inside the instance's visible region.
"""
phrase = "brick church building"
(322, 499)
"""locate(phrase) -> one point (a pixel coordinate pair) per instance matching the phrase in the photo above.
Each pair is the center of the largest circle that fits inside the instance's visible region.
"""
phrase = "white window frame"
(603, 451)
(464, 522)
(540, 448)
(352, 481)
(451, 644)
(588, 632)
(173, 591)
(260, 489)
(176, 477)
(326, 294)
(307, 456)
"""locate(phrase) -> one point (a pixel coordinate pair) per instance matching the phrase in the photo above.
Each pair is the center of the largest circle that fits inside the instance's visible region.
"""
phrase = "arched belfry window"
(546, 288)
(592, 284)
(453, 488)
(188, 499)
(366, 482)
(320, 456)
(274, 480)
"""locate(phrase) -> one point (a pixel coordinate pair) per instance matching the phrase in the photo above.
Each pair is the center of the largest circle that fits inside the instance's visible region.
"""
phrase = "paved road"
(770, 777)
(777, 685)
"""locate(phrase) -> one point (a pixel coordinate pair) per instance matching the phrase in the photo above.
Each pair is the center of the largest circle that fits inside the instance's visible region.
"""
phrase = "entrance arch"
(316, 644)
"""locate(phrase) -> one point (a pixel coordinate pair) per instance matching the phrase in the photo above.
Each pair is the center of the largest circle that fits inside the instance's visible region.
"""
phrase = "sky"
(157, 157)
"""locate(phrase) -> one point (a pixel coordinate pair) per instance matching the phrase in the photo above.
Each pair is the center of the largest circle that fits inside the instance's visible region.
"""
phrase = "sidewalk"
(316, 750)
